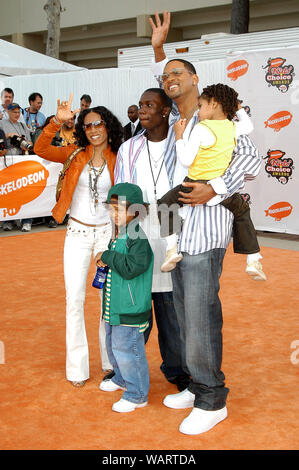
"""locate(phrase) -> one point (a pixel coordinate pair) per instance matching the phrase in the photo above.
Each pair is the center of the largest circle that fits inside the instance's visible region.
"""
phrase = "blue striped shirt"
(205, 227)
(208, 227)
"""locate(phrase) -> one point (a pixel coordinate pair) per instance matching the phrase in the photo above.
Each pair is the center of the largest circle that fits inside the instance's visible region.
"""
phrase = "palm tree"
(53, 10)
(239, 16)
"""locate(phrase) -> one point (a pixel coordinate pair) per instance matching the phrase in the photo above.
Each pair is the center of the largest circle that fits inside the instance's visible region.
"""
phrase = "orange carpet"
(39, 409)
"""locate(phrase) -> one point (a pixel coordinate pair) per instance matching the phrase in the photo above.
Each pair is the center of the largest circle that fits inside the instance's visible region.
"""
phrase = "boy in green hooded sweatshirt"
(127, 299)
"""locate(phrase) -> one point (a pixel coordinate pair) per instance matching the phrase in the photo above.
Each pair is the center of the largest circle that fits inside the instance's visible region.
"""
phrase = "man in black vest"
(134, 126)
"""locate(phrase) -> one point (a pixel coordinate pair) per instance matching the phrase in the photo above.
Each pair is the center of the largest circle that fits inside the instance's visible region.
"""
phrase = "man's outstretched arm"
(159, 36)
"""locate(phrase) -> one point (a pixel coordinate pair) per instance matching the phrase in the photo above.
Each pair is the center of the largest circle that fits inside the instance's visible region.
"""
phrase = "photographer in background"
(18, 143)
(34, 118)
(7, 97)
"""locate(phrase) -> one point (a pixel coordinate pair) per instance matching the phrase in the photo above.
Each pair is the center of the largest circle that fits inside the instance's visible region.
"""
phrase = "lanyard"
(28, 116)
(155, 181)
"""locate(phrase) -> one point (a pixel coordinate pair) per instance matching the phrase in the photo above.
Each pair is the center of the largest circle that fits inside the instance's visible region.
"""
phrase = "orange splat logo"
(279, 210)
(279, 120)
(237, 69)
(21, 183)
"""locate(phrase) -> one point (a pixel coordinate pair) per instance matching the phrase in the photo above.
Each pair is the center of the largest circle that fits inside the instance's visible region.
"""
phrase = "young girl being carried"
(208, 153)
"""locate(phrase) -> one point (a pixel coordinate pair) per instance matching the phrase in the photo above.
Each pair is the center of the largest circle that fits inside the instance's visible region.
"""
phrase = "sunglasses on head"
(97, 124)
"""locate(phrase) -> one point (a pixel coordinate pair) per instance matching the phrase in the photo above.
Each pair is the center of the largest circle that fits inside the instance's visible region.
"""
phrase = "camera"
(2, 145)
(21, 143)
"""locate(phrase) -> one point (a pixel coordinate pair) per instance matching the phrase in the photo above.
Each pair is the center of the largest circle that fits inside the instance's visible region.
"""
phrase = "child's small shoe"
(171, 259)
(125, 406)
(255, 270)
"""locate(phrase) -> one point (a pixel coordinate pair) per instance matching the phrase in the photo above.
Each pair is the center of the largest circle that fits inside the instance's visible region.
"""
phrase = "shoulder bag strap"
(66, 166)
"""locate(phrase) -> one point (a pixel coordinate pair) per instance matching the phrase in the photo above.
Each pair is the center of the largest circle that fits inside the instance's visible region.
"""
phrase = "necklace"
(93, 176)
(190, 114)
(155, 181)
(156, 160)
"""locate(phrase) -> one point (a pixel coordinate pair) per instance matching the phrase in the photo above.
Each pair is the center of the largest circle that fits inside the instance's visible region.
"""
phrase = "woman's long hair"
(113, 127)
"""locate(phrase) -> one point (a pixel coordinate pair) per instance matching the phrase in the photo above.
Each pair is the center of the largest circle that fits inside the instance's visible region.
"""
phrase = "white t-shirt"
(82, 206)
(150, 225)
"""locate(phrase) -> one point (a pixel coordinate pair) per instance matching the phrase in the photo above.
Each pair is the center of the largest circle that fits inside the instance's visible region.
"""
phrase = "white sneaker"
(26, 227)
(179, 401)
(200, 421)
(255, 270)
(125, 406)
(110, 386)
(171, 259)
(7, 226)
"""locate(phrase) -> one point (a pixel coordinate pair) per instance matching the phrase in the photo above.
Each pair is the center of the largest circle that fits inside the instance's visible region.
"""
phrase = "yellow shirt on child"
(207, 151)
(211, 161)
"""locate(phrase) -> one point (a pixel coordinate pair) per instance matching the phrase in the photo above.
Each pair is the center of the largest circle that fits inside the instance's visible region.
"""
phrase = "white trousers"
(81, 243)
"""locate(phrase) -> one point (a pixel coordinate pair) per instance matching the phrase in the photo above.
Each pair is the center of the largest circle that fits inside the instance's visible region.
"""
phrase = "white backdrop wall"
(266, 80)
(116, 89)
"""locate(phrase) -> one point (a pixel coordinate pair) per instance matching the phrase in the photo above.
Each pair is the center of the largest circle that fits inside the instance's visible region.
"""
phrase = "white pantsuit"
(81, 244)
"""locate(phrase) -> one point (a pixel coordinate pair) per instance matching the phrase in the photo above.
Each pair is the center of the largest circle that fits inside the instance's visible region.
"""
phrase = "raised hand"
(64, 109)
(160, 30)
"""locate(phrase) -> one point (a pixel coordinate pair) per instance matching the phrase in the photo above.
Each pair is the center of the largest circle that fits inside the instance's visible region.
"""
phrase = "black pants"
(244, 234)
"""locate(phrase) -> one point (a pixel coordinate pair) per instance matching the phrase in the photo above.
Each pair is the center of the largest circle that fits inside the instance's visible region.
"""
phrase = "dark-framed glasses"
(97, 124)
(175, 72)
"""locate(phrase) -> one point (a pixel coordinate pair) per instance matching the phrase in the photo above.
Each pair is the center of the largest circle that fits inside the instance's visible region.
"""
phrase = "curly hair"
(224, 95)
(113, 127)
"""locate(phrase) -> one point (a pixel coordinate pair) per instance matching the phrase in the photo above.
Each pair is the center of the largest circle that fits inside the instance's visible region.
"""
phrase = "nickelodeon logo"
(277, 62)
(279, 210)
(237, 69)
(279, 120)
(21, 183)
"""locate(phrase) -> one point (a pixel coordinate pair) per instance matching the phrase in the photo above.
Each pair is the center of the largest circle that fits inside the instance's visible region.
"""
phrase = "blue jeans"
(197, 304)
(168, 335)
(126, 352)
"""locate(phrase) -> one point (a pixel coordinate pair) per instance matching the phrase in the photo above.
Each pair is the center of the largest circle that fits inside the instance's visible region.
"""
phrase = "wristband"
(56, 121)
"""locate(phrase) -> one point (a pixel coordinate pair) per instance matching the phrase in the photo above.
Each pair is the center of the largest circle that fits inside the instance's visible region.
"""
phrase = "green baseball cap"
(128, 192)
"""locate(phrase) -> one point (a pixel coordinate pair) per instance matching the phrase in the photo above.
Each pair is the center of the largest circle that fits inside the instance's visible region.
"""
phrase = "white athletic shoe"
(125, 406)
(26, 227)
(255, 270)
(200, 421)
(171, 259)
(110, 386)
(179, 401)
(7, 226)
